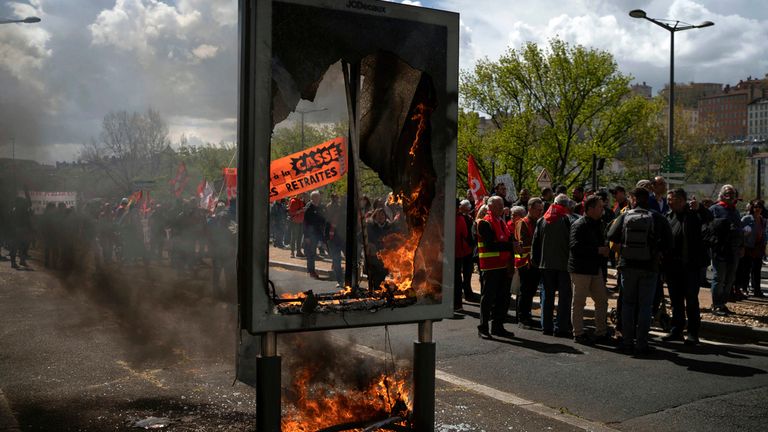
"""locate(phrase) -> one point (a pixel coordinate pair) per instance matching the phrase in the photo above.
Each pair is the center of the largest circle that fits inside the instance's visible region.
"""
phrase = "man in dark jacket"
(727, 242)
(550, 254)
(683, 263)
(588, 252)
(314, 227)
(641, 237)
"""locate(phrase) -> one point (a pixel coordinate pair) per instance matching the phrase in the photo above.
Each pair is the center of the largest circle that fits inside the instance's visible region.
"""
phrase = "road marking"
(147, 375)
(508, 398)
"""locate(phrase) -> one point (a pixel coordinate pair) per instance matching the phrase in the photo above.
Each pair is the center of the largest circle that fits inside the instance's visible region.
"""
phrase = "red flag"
(134, 198)
(230, 182)
(179, 182)
(476, 185)
(201, 187)
(146, 204)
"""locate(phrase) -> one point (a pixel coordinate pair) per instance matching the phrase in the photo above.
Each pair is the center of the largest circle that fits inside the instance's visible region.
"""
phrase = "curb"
(734, 331)
(715, 330)
(8, 421)
(297, 267)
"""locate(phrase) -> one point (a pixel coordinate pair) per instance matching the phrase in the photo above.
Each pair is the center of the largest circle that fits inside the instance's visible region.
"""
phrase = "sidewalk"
(712, 327)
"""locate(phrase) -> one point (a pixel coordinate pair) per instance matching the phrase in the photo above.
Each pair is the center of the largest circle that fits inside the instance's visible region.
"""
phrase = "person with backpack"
(726, 238)
(683, 263)
(641, 237)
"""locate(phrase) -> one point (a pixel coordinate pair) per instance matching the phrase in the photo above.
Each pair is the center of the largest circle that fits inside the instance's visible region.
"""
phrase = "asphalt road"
(97, 353)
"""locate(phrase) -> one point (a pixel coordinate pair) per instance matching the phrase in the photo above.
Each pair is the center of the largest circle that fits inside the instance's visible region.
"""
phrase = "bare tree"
(129, 145)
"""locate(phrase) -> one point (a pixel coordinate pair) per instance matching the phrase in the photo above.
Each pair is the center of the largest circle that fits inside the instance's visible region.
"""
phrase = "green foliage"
(553, 109)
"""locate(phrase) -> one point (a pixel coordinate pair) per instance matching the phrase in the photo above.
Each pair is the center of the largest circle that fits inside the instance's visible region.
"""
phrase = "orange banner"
(308, 169)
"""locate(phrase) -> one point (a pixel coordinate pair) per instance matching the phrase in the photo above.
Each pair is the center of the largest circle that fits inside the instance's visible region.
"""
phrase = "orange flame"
(320, 405)
(399, 255)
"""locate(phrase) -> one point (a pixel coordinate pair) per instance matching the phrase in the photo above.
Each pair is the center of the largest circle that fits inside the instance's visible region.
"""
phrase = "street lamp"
(302, 121)
(27, 20)
(672, 26)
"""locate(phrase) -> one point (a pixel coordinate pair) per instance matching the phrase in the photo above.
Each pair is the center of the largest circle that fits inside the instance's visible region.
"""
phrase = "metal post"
(351, 72)
(493, 173)
(13, 155)
(759, 189)
(268, 385)
(424, 379)
(302, 130)
(594, 172)
(671, 138)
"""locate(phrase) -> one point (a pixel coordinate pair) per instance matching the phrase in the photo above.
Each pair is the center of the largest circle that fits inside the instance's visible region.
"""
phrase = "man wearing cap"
(652, 203)
(619, 199)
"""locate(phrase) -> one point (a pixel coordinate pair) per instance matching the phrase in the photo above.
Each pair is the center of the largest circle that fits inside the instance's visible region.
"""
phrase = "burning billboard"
(381, 81)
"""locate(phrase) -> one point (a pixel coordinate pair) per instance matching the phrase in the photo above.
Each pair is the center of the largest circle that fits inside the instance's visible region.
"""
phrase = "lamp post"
(27, 20)
(302, 121)
(672, 26)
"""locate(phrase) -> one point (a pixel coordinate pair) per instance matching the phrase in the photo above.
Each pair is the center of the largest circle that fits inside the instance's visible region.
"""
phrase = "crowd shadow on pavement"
(543, 347)
(674, 354)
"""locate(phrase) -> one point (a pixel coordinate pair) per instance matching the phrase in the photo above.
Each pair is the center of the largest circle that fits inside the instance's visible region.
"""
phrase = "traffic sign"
(673, 163)
(544, 180)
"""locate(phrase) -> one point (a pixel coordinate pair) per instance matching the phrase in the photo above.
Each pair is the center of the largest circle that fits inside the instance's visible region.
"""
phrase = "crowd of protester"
(556, 245)
(561, 246)
(310, 227)
(182, 235)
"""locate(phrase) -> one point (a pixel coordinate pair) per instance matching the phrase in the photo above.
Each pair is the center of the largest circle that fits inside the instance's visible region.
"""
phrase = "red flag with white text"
(476, 185)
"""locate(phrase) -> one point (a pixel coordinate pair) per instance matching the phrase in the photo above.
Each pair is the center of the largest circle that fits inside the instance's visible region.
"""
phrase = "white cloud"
(205, 51)
(142, 25)
(731, 50)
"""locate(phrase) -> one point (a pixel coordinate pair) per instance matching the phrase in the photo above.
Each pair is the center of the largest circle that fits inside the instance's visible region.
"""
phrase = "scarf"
(726, 205)
(555, 212)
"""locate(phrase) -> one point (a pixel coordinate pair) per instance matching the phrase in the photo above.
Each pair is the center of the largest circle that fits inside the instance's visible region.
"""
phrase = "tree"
(555, 109)
(129, 145)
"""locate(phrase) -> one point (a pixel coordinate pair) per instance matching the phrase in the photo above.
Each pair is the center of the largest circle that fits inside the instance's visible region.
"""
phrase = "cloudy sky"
(58, 78)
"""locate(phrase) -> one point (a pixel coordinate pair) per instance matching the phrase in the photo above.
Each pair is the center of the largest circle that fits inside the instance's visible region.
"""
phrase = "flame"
(399, 254)
(289, 296)
(320, 405)
(421, 115)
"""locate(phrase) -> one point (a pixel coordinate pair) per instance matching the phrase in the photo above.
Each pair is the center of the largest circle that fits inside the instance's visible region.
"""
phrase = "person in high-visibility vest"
(495, 246)
(529, 274)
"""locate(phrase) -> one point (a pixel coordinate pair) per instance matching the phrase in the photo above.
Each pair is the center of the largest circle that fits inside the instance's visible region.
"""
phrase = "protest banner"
(308, 169)
(510, 184)
(41, 199)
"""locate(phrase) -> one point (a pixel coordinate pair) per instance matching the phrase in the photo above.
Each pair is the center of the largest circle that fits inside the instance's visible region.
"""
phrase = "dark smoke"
(161, 316)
